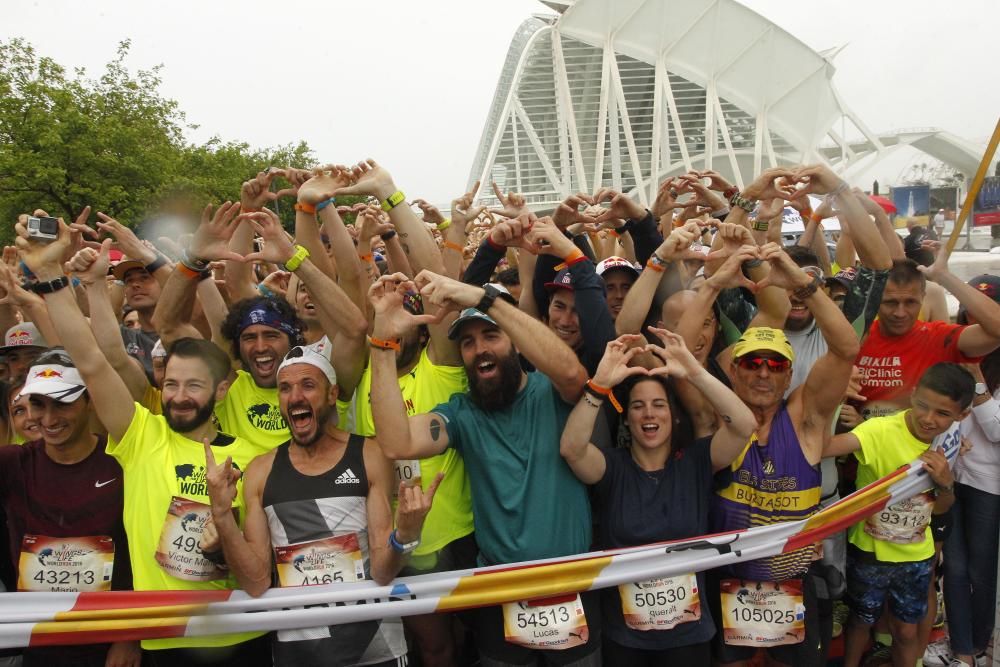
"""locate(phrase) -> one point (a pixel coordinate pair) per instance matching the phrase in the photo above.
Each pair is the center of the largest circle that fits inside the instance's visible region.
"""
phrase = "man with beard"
(260, 330)
(166, 499)
(527, 503)
(325, 493)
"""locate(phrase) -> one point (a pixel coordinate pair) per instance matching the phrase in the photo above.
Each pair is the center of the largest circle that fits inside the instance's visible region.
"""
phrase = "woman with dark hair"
(970, 551)
(657, 489)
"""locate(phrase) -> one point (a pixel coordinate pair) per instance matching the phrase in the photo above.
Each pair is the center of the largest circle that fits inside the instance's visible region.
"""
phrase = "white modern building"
(624, 93)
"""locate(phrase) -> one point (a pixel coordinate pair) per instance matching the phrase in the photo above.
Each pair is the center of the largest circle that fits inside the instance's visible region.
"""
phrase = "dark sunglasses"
(755, 363)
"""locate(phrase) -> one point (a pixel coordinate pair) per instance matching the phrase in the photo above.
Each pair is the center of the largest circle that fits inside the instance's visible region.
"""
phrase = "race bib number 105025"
(762, 613)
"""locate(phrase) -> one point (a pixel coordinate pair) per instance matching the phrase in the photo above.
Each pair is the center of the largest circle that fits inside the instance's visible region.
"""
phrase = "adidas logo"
(347, 477)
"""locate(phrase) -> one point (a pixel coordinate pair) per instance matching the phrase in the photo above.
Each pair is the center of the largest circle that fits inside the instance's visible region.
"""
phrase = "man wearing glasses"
(777, 477)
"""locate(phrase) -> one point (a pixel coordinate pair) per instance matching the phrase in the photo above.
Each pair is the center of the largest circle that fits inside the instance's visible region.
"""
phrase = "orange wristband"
(603, 392)
(571, 259)
(383, 344)
(367, 257)
(451, 245)
(815, 217)
(650, 264)
(305, 208)
(187, 272)
(614, 233)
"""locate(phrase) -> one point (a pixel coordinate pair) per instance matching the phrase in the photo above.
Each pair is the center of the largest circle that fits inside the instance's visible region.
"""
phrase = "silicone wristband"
(305, 208)
(323, 204)
(295, 261)
(384, 344)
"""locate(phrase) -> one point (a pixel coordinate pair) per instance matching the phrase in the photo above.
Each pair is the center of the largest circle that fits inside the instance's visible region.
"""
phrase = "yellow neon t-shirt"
(424, 388)
(160, 464)
(886, 445)
(251, 412)
(152, 400)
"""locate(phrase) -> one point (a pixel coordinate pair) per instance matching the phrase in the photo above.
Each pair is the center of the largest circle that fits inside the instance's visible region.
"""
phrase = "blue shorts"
(870, 582)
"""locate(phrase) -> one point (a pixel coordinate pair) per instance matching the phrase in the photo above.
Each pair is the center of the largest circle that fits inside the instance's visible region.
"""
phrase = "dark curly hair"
(231, 325)
(682, 429)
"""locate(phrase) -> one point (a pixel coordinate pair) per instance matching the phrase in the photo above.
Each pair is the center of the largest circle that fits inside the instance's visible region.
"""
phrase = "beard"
(322, 418)
(499, 392)
(201, 415)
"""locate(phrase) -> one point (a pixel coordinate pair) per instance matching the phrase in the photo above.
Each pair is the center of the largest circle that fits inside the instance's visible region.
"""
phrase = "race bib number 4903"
(326, 561)
(70, 564)
(660, 604)
(762, 613)
(546, 624)
(179, 552)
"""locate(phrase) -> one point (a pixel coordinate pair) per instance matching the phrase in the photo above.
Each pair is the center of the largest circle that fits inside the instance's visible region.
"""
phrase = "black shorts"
(459, 554)
(807, 653)
(941, 526)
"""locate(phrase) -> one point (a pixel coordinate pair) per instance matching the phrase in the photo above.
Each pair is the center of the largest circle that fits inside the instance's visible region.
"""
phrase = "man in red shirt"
(899, 347)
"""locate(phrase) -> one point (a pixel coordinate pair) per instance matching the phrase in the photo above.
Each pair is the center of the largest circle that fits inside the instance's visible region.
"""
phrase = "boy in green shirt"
(890, 554)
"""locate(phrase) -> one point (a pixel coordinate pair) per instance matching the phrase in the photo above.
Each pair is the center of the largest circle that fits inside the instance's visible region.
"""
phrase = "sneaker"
(955, 662)
(880, 654)
(938, 654)
(983, 660)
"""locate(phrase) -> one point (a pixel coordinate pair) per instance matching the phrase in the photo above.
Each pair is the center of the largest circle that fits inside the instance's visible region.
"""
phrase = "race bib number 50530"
(546, 624)
(762, 613)
(660, 604)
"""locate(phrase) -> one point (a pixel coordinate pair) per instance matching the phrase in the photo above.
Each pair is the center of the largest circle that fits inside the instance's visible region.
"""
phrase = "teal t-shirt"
(526, 502)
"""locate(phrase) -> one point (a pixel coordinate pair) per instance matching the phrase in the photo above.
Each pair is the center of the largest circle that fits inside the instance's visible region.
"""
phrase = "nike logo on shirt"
(98, 485)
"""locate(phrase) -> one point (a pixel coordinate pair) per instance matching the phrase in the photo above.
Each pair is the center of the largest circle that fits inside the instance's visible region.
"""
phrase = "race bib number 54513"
(546, 624)
(762, 613)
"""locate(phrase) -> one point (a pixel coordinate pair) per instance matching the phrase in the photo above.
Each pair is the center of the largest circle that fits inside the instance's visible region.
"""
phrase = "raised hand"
(939, 269)
(547, 239)
(705, 196)
(784, 272)
(677, 245)
(431, 214)
(369, 224)
(613, 367)
(819, 180)
(13, 293)
(513, 233)
(771, 183)
(325, 181)
(568, 212)
(221, 481)
(414, 504)
(387, 296)
(770, 209)
(256, 192)
(211, 240)
(368, 178)
(666, 198)
(621, 206)
(677, 359)
(462, 210)
(715, 180)
(730, 273)
(512, 203)
(126, 239)
(277, 283)
(277, 249)
(445, 293)
(90, 266)
(43, 257)
(937, 468)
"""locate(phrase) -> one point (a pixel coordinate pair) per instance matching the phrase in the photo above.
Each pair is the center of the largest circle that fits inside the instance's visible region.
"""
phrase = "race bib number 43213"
(762, 613)
(555, 624)
(71, 564)
(660, 604)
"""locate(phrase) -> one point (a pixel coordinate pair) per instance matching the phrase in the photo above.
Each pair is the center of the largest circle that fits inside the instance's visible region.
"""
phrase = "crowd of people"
(389, 392)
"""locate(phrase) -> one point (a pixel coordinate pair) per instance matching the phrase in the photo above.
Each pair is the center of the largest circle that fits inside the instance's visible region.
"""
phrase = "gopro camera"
(43, 229)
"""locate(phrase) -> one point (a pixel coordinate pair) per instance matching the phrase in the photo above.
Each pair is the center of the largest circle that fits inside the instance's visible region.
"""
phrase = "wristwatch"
(402, 548)
(981, 389)
(490, 295)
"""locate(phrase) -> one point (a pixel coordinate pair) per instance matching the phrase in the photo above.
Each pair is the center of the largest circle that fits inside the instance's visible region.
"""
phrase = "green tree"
(114, 143)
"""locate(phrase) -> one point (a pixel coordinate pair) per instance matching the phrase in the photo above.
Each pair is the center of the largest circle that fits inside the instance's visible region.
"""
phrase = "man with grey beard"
(527, 503)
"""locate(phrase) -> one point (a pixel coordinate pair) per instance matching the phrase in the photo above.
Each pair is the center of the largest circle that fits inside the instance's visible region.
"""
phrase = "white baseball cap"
(58, 382)
(301, 354)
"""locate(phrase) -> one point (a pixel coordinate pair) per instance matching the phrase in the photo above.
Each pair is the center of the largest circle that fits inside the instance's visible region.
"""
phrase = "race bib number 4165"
(326, 561)
(762, 613)
(546, 624)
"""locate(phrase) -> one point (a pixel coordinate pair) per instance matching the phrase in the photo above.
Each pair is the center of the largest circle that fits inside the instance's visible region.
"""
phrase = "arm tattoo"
(435, 428)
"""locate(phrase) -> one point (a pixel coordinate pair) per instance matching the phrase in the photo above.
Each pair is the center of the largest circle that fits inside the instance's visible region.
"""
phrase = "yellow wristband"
(295, 261)
(444, 225)
(393, 200)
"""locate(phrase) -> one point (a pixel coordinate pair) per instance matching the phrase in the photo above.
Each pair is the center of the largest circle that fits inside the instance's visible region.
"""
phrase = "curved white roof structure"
(625, 92)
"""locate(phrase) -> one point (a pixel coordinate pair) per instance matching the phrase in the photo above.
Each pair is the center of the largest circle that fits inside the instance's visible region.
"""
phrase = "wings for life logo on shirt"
(191, 479)
(266, 417)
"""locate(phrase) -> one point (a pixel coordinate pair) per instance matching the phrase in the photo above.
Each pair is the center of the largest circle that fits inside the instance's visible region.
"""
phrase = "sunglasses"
(755, 363)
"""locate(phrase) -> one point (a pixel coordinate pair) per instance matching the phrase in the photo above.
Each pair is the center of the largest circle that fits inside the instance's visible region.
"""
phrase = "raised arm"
(535, 341)
(91, 268)
(109, 395)
(399, 436)
(584, 457)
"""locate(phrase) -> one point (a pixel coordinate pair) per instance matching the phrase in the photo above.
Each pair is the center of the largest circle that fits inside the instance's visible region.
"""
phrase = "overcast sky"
(410, 83)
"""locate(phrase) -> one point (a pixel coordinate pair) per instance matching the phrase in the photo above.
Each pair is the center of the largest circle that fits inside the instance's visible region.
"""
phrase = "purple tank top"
(764, 485)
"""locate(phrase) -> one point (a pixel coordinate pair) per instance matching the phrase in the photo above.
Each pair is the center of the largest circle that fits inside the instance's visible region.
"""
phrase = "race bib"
(178, 552)
(65, 564)
(762, 613)
(543, 624)
(326, 561)
(408, 471)
(660, 604)
(904, 522)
